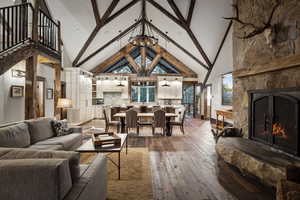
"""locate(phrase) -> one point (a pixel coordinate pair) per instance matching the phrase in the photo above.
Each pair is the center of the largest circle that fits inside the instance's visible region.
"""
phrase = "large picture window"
(143, 92)
(227, 89)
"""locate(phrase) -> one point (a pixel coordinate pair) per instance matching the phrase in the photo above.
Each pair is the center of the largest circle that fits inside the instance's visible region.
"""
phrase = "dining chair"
(179, 123)
(109, 123)
(132, 121)
(143, 109)
(114, 110)
(144, 121)
(155, 108)
(170, 109)
(159, 121)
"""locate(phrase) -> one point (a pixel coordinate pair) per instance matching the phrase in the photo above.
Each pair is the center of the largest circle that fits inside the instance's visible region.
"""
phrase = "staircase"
(16, 35)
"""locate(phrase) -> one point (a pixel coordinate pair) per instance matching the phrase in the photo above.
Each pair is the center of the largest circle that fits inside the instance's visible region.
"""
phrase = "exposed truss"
(179, 19)
(159, 54)
(106, 18)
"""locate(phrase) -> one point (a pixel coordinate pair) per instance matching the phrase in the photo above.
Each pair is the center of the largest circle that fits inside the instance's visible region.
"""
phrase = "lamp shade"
(64, 103)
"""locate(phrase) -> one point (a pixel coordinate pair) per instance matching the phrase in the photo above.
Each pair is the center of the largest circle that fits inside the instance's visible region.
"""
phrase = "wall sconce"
(18, 73)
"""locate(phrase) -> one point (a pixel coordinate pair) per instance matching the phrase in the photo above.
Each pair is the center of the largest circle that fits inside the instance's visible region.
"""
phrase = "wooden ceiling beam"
(109, 10)
(154, 62)
(190, 13)
(109, 43)
(112, 59)
(177, 45)
(105, 20)
(184, 25)
(180, 66)
(165, 12)
(218, 52)
(176, 10)
(143, 57)
(132, 62)
(96, 11)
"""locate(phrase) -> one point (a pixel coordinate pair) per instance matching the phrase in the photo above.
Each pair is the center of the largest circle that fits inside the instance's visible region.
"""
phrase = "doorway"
(207, 101)
(189, 100)
(40, 97)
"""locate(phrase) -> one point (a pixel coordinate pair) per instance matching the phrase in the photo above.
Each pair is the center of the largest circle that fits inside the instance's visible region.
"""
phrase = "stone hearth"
(255, 159)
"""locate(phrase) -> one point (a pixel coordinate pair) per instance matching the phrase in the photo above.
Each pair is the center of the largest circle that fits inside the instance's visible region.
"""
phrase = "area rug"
(135, 183)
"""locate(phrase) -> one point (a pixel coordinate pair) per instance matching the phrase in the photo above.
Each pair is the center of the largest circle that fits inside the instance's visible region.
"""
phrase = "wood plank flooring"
(187, 167)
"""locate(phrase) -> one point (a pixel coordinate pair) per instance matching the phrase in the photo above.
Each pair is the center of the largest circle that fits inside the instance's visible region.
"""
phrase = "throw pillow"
(60, 127)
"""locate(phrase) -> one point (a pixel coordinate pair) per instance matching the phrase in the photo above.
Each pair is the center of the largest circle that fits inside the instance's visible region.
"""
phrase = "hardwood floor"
(187, 167)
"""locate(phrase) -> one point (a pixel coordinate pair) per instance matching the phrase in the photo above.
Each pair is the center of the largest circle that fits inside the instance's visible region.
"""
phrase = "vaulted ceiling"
(193, 37)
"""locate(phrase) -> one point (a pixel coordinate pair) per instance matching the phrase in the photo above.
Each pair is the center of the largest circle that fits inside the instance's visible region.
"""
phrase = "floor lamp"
(64, 104)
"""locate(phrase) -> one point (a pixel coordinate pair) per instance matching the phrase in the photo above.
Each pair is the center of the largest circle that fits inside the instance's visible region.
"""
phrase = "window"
(138, 60)
(158, 70)
(143, 92)
(122, 70)
(227, 89)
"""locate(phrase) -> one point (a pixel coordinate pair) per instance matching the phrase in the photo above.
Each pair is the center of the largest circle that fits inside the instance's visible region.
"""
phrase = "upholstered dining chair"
(132, 121)
(113, 111)
(144, 121)
(155, 108)
(109, 123)
(170, 109)
(159, 121)
(179, 123)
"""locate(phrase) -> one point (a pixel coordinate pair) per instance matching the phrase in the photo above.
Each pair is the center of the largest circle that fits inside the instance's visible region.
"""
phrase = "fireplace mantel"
(279, 64)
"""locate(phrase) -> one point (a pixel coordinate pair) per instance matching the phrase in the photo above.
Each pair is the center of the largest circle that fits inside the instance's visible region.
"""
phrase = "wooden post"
(30, 89)
(143, 57)
(194, 101)
(57, 90)
(35, 19)
(59, 37)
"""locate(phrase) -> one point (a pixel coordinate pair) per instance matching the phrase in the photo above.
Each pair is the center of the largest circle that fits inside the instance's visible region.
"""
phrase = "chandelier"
(142, 35)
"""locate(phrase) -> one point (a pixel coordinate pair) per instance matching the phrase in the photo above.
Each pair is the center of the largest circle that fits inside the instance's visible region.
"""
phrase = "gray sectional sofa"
(35, 164)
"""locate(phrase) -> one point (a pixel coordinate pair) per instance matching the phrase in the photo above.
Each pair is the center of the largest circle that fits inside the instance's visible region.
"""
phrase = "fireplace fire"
(279, 131)
(274, 118)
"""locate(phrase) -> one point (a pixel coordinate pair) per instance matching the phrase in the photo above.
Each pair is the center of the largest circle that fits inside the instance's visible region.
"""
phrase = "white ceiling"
(208, 25)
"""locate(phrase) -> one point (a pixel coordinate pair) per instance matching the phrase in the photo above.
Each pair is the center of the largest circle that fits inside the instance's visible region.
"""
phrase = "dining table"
(169, 116)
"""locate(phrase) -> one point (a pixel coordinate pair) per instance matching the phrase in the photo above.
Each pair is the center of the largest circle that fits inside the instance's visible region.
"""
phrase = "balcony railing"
(48, 31)
(16, 28)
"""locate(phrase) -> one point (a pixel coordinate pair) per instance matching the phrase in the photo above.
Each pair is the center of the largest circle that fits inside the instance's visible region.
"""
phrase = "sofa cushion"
(46, 147)
(67, 141)
(15, 136)
(4, 151)
(72, 157)
(40, 129)
(35, 179)
(60, 127)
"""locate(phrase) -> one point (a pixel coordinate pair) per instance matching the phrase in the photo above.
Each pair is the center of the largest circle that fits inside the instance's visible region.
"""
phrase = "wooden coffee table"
(88, 147)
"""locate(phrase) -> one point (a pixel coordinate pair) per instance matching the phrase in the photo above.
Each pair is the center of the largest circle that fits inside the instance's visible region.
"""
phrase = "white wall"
(223, 65)
(13, 109)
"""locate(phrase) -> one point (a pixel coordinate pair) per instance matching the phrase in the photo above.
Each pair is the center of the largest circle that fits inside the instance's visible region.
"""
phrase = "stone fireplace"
(274, 118)
(266, 92)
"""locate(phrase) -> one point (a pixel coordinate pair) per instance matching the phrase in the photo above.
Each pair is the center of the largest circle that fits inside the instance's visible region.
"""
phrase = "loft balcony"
(25, 31)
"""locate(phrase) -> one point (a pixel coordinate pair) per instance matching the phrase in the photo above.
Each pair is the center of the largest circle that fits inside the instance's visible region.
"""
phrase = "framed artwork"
(17, 91)
(227, 89)
(49, 93)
